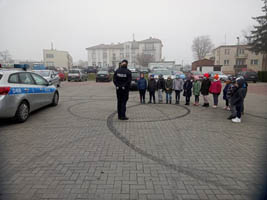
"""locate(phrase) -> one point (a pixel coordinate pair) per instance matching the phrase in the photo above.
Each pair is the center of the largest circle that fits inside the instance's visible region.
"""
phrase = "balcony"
(245, 55)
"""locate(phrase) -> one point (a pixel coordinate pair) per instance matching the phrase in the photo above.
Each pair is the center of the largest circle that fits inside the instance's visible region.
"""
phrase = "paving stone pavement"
(79, 150)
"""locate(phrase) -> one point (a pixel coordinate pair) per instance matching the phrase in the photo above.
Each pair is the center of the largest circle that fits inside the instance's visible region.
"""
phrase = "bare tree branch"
(201, 46)
(144, 59)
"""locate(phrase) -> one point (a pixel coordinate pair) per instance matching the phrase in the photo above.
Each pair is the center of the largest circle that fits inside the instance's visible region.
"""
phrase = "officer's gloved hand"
(123, 88)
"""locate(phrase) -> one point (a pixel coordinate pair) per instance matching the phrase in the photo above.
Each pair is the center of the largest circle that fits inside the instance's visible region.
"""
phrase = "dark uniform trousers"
(122, 98)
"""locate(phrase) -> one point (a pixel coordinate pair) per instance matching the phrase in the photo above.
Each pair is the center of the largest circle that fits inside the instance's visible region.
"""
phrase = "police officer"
(122, 80)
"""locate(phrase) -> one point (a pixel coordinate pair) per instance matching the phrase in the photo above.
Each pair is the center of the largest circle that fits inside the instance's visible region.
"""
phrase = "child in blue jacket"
(225, 96)
(142, 86)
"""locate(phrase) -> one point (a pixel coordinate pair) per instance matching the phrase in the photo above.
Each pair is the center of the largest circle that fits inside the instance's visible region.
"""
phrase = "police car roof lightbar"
(22, 66)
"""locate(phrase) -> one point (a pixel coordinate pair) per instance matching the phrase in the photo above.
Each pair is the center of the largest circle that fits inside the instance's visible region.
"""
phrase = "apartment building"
(236, 58)
(109, 55)
(55, 58)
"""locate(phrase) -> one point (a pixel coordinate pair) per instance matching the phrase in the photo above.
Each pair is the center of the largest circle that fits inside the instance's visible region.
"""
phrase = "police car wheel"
(55, 99)
(23, 112)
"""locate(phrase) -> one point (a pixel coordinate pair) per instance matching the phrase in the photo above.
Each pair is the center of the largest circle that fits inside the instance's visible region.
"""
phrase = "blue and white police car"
(22, 92)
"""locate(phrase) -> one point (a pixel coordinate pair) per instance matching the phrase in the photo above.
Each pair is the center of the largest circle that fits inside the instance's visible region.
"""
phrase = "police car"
(22, 92)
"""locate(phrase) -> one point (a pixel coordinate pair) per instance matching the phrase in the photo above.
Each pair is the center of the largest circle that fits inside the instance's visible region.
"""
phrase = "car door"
(44, 92)
(28, 89)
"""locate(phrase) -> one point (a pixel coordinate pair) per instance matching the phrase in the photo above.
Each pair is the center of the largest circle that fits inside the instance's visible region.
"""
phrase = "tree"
(144, 59)
(245, 34)
(201, 46)
(5, 57)
(258, 36)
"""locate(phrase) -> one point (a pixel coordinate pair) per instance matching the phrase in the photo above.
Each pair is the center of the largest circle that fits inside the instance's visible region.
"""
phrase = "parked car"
(249, 76)
(50, 75)
(165, 72)
(222, 76)
(91, 69)
(144, 70)
(22, 92)
(197, 74)
(135, 78)
(132, 69)
(103, 76)
(77, 75)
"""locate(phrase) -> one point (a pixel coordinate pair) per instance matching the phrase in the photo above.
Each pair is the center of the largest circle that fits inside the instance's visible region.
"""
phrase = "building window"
(226, 62)
(240, 62)
(227, 51)
(241, 51)
(121, 55)
(149, 46)
(105, 55)
(49, 64)
(254, 62)
(49, 55)
(93, 55)
(113, 56)
(94, 64)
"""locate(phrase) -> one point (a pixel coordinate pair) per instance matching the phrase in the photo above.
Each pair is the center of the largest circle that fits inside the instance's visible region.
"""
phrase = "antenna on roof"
(225, 39)
(133, 37)
(51, 45)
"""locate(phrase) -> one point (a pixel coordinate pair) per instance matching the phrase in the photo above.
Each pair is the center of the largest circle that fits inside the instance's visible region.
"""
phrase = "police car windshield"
(42, 73)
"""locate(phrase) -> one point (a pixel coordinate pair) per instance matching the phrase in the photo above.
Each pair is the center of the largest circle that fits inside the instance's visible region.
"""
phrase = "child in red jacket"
(215, 89)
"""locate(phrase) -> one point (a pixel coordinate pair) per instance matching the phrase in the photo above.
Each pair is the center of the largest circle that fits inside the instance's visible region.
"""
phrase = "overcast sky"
(28, 26)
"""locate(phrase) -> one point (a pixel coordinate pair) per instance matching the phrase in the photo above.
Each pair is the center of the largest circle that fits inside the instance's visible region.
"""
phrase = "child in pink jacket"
(215, 89)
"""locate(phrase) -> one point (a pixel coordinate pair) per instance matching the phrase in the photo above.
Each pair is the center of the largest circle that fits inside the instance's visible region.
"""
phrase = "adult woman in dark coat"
(205, 86)
(188, 90)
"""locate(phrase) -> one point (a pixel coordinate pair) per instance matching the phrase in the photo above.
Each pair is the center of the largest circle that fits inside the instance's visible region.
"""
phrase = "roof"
(163, 62)
(229, 46)
(135, 44)
(107, 46)
(151, 40)
(205, 59)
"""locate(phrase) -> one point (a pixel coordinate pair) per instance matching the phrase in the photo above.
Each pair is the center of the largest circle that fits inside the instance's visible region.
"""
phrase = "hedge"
(262, 76)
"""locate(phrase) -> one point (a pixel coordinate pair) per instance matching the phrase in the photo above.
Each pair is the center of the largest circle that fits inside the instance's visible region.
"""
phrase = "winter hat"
(206, 75)
(216, 76)
(240, 82)
(124, 61)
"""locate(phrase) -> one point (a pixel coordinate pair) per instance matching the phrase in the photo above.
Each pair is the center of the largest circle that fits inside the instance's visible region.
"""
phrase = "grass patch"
(91, 77)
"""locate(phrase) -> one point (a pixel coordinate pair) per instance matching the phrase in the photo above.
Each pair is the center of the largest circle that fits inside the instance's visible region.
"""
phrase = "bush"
(262, 76)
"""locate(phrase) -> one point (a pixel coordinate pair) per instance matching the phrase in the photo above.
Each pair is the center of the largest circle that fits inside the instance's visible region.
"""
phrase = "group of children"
(234, 91)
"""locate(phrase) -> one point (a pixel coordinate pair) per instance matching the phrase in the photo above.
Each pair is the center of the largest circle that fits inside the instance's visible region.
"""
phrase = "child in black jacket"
(237, 99)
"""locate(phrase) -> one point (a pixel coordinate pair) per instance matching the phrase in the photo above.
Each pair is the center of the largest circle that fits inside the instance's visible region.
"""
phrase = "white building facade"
(109, 55)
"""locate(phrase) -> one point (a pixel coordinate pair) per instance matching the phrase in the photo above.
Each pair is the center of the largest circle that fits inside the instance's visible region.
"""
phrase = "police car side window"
(13, 78)
(25, 78)
(39, 80)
